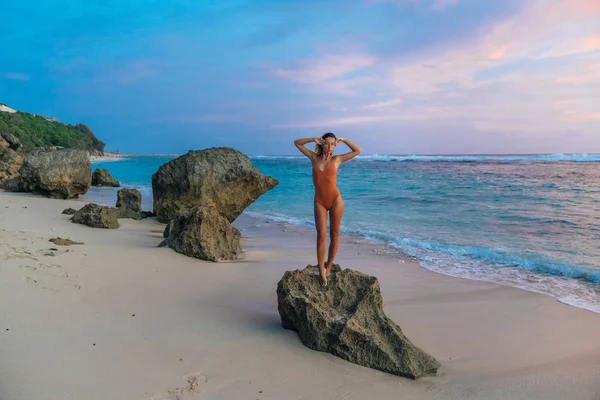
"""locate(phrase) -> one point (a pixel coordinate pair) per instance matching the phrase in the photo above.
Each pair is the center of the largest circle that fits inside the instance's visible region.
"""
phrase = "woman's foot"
(328, 268)
(322, 277)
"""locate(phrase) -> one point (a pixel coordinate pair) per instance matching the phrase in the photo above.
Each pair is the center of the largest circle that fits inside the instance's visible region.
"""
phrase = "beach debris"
(203, 233)
(96, 216)
(59, 174)
(347, 320)
(221, 176)
(101, 177)
(63, 242)
(129, 203)
(69, 211)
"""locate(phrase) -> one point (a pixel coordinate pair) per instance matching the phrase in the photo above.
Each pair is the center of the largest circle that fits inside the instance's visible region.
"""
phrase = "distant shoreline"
(116, 157)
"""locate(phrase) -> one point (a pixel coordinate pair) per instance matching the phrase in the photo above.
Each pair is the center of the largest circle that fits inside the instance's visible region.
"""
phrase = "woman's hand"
(319, 141)
(339, 140)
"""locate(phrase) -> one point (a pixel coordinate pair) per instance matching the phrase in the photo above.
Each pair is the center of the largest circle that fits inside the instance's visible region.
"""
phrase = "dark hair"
(318, 147)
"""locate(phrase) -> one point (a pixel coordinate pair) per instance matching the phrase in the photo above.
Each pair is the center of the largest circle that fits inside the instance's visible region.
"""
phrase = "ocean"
(530, 221)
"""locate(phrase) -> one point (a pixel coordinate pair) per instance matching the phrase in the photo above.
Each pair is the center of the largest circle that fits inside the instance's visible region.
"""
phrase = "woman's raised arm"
(351, 154)
(299, 143)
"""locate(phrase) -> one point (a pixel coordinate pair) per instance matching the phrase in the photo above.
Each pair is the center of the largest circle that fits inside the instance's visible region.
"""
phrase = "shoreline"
(218, 322)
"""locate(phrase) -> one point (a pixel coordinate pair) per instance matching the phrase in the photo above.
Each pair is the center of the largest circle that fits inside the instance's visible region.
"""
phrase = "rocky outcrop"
(346, 319)
(69, 211)
(129, 203)
(11, 156)
(220, 176)
(61, 174)
(203, 233)
(101, 177)
(96, 216)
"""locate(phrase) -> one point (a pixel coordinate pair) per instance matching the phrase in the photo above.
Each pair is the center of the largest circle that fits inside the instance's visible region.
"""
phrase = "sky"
(392, 76)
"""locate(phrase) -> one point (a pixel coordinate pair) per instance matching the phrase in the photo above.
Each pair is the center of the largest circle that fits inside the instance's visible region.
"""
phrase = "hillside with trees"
(38, 131)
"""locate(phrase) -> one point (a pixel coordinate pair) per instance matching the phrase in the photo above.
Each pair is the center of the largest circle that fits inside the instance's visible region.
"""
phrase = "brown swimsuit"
(326, 193)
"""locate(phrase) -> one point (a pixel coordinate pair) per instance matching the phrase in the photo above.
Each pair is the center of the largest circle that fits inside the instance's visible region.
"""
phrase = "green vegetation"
(36, 131)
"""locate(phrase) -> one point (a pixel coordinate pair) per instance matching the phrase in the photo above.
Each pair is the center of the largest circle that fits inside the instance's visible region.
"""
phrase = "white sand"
(212, 331)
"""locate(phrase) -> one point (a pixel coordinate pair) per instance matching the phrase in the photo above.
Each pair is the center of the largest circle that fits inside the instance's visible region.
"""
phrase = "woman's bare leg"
(335, 220)
(321, 225)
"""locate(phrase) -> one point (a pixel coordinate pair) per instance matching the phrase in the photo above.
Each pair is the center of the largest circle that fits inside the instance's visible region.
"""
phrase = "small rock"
(63, 242)
(69, 211)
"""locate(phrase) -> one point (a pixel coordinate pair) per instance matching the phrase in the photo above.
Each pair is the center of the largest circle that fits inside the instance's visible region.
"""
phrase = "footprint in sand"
(55, 283)
(195, 383)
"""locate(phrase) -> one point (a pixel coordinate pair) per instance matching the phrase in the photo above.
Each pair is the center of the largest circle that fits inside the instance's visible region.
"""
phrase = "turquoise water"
(527, 221)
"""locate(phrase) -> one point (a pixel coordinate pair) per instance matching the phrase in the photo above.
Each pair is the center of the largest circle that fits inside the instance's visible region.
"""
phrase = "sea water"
(531, 222)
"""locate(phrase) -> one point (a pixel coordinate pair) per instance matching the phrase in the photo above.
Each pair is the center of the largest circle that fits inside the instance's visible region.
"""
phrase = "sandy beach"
(119, 318)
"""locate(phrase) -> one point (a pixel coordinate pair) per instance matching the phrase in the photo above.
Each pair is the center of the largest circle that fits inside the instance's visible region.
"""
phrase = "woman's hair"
(318, 147)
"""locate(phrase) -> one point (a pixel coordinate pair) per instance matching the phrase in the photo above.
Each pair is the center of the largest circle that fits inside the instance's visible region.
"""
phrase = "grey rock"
(96, 216)
(147, 214)
(219, 176)
(129, 203)
(61, 174)
(346, 319)
(203, 233)
(101, 177)
(69, 211)
(13, 185)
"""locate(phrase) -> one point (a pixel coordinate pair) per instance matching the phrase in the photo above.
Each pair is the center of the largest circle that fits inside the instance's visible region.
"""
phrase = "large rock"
(61, 174)
(220, 176)
(347, 319)
(101, 177)
(129, 203)
(203, 233)
(11, 156)
(96, 216)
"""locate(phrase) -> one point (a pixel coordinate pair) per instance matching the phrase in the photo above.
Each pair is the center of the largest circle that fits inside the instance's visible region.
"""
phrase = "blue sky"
(394, 76)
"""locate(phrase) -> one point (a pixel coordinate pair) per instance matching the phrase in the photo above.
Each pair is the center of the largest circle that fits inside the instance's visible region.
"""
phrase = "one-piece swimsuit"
(326, 192)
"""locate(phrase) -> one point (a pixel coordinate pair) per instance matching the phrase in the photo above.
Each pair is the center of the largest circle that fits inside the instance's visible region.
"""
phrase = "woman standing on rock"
(327, 196)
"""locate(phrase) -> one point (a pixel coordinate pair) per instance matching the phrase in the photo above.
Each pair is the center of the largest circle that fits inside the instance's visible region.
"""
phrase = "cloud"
(435, 5)
(134, 72)
(324, 69)
(382, 104)
(15, 76)
(196, 119)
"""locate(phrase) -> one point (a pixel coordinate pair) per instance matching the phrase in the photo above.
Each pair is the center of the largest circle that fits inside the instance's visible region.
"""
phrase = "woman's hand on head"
(339, 140)
(319, 141)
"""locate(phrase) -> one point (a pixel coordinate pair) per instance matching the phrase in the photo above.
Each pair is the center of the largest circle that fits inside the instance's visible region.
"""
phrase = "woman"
(327, 196)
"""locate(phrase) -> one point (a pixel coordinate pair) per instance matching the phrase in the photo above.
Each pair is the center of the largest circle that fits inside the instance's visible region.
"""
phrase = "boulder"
(129, 203)
(219, 176)
(61, 174)
(101, 177)
(346, 319)
(13, 185)
(203, 233)
(96, 216)
(69, 211)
